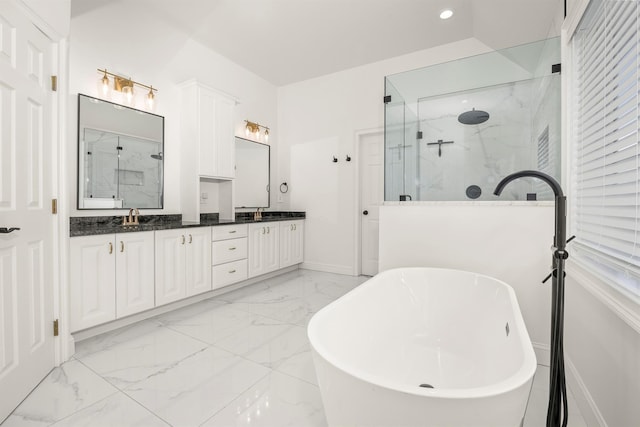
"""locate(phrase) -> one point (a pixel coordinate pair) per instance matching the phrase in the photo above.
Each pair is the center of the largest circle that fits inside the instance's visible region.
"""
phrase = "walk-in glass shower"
(453, 130)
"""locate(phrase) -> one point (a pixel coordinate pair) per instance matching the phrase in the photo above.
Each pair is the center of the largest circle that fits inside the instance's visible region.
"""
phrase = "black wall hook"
(335, 159)
(348, 158)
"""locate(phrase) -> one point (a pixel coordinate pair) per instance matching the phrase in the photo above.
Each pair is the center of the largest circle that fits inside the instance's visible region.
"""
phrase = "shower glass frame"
(520, 89)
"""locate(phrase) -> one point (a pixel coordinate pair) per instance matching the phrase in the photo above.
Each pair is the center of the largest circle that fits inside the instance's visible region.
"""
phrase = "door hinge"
(54, 83)
(56, 331)
(387, 99)
(419, 135)
(54, 206)
(556, 68)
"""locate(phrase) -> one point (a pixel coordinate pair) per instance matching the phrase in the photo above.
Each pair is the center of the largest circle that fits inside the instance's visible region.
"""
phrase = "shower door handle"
(365, 212)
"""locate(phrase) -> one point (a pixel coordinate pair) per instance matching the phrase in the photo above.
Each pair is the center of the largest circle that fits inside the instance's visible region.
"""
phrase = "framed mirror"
(120, 156)
(252, 174)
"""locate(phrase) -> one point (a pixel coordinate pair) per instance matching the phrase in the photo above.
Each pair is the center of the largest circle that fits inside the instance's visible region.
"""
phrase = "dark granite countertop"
(94, 225)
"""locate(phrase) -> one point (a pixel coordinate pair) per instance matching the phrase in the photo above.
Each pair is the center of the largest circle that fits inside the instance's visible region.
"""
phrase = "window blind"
(606, 196)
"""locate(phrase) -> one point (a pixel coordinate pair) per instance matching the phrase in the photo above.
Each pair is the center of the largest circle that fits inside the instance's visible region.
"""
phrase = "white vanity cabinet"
(291, 243)
(229, 250)
(264, 252)
(183, 263)
(111, 276)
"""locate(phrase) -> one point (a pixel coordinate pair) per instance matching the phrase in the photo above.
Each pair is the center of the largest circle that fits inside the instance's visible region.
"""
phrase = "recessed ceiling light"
(446, 14)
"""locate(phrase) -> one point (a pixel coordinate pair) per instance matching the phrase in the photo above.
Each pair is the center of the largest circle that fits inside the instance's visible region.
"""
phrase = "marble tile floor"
(238, 359)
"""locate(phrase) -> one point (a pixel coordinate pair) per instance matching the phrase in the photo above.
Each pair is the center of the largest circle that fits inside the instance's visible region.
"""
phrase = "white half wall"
(508, 241)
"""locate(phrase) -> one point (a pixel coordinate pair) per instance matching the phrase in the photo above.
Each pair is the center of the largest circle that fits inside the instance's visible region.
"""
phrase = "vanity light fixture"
(125, 86)
(253, 129)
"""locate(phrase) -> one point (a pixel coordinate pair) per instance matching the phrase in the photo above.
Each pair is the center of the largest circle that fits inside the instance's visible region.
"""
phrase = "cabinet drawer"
(231, 272)
(225, 232)
(228, 250)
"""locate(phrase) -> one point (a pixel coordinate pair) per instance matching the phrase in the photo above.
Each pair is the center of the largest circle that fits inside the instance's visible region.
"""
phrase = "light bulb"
(150, 98)
(247, 130)
(266, 135)
(103, 85)
(127, 91)
(257, 132)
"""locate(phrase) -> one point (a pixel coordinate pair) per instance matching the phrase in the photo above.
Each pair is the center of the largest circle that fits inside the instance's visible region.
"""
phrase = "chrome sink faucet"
(257, 215)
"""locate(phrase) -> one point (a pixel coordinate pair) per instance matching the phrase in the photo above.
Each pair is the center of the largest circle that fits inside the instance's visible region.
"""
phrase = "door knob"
(365, 212)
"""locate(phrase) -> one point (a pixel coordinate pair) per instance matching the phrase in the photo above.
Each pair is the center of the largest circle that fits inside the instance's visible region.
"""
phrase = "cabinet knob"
(365, 212)
(232, 271)
(190, 239)
(232, 249)
(121, 246)
(183, 239)
(110, 248)
(263, 230)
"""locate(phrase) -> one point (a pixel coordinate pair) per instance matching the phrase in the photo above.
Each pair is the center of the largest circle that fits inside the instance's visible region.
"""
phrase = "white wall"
(324, 115)
(155, 54)
(602, 349)
(506, 240)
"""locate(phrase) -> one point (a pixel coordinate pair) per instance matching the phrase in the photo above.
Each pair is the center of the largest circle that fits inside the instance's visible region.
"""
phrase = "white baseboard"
(543, 354)
(585, 402)
(329, 268)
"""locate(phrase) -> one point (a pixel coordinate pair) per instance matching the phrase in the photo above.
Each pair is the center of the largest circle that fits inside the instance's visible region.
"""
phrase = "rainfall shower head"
(473, 117)
(157, 156)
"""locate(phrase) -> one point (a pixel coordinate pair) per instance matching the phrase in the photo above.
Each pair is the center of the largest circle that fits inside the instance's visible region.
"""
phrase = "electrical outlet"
(204, 197)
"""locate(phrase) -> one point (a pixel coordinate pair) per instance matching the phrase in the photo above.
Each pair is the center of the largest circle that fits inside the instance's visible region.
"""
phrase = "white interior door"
(26, 288)
(371, 197)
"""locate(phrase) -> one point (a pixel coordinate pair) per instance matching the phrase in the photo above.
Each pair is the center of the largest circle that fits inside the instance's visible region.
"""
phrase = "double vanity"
(124, 270)
(119, 271)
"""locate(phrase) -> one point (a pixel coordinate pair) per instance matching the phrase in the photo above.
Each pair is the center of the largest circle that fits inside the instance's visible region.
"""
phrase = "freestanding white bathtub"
(424, 347)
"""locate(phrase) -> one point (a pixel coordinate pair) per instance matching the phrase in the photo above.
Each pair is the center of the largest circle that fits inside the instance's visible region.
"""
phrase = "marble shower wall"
(480, 154)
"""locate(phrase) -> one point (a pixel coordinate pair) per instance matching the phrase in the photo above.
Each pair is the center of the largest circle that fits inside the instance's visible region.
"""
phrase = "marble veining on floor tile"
(126, 361)
(277, 400)
(242, 358)
(198, 387)
(67, 389)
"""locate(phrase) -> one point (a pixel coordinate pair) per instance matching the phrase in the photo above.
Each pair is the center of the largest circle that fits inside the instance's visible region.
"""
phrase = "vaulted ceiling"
(286, 41)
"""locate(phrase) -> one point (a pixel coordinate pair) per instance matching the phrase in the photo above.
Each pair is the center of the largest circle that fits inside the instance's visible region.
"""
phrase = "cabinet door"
(198, 260)
(216, 134)
(297, 242)
(134, 272)
(286, 240)
(92, 298)
(254, 255)
(206, 113)
(270, 248)
(170, 266)
(225, 137)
